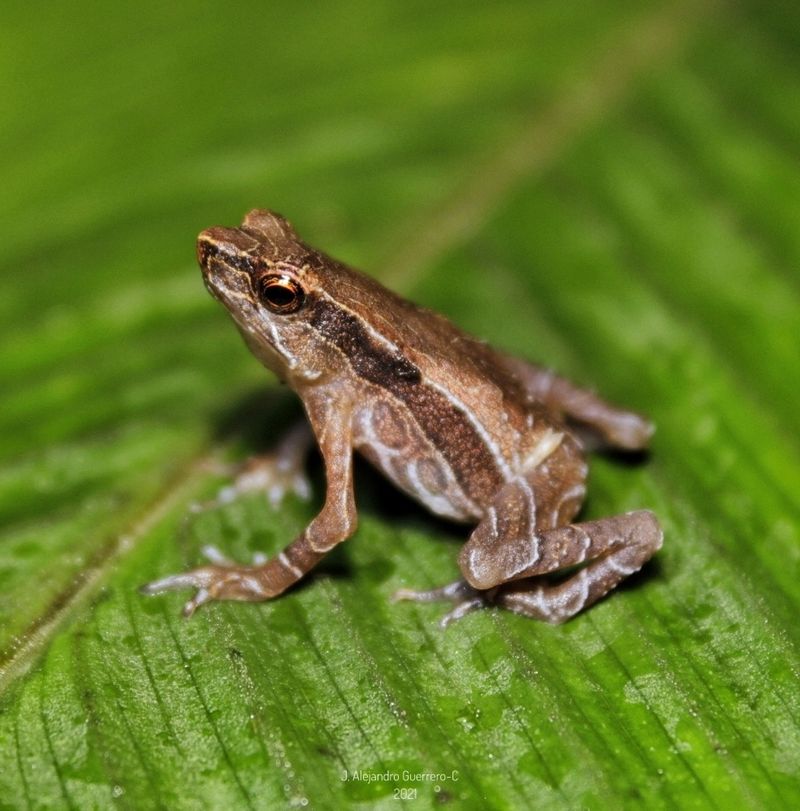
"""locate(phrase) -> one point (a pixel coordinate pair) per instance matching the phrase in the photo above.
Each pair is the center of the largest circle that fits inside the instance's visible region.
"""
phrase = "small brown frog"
(473, 434)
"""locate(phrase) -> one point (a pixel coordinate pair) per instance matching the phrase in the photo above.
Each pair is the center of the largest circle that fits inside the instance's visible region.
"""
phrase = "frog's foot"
(222, 580)
(276, 474)
(465, 598)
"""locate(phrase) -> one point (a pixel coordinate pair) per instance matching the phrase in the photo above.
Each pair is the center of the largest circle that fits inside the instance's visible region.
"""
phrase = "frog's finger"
(202, 597)
(220, 582)
(170, 583)
(213, 555)
(301, 486)
(203, 580)
(175, 582)
(198, 579)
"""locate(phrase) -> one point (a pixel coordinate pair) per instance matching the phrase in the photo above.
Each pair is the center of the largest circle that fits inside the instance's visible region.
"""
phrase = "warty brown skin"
(473, 434)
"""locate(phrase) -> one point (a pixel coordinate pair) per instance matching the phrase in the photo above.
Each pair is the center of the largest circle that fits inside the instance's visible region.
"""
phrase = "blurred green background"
(609, 188)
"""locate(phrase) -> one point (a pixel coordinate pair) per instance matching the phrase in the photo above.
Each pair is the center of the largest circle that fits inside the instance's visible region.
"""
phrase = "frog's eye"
(281, 294)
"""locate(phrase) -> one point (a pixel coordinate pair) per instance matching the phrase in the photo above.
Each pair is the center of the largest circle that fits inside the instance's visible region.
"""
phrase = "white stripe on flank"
(491, 514)
(528, 490)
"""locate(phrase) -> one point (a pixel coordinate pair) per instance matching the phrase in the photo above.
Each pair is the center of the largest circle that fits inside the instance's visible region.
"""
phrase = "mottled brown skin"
(475, 435)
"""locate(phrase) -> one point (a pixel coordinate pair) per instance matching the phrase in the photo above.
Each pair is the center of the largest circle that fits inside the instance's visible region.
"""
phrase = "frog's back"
(445, 354)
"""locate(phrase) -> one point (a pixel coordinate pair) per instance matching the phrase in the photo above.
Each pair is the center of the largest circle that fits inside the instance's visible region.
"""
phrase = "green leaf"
(608, 188)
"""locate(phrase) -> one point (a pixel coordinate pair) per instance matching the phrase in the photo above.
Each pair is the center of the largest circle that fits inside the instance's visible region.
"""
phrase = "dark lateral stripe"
(446, 426)
(368, 359)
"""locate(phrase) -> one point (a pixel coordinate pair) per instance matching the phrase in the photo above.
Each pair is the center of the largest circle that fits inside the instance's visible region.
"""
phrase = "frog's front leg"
(331, 421)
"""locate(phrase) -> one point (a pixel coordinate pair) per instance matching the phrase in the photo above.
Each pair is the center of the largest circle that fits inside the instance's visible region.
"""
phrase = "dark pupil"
(279, 294)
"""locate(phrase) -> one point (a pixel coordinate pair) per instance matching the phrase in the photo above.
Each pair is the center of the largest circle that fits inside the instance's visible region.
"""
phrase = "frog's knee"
(325, 532)
(645, 531)
(474, 568)
(480, 565)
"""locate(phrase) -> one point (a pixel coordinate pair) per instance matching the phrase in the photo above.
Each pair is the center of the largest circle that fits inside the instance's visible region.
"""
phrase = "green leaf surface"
(607, 187)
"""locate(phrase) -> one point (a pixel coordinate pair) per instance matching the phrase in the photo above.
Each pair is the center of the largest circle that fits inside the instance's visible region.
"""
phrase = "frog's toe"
(201, 597)
(463, 608)
(283, 482)
(456, 591)
(301, 486)
(264, 475)
(220, 580)
(270, 474)
(175, 582)
(465, 597)
(213, 555)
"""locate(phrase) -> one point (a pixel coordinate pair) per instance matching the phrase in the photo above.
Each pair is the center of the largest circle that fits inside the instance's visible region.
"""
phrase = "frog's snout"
(205, 249)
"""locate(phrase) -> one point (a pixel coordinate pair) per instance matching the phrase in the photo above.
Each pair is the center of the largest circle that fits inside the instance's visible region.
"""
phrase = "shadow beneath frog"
(652, 570)
(629, 459)
(594, 445)
(378, 496)
(257, 420)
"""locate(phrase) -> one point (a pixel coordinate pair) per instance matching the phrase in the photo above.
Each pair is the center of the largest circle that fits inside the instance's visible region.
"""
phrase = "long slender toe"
(202, 597)
(173, 582)
(461, 610)
(452, 591)
(464, 597)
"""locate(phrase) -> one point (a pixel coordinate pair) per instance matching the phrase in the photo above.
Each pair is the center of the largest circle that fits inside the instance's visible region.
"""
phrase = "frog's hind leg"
(526, 533)
(558, 482)
(609, 550)
(598, 422)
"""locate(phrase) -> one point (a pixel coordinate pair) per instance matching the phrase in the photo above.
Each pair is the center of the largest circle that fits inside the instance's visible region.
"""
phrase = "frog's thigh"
(614, 426)
(508, 542)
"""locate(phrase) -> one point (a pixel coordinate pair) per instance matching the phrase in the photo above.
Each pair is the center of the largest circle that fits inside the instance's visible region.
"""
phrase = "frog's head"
(264, 276)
